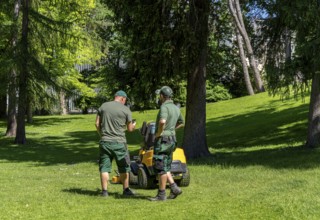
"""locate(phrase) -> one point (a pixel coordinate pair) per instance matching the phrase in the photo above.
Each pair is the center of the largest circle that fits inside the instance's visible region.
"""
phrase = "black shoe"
(128, 192)
(174, 192)
(104, 193)
(161, 196)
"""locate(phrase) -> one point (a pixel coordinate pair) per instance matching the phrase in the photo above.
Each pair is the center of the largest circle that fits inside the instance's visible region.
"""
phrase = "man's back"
(114, 118)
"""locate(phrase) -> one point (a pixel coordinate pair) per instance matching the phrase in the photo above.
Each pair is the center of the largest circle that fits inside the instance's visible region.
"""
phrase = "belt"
(169, 138)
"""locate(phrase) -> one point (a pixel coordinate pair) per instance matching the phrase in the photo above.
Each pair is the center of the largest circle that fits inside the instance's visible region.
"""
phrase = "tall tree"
(12, 88)
(244, 64)
(168, 43)
(298, 21)
(23, 74)
(235, 10)
(54, 37)
(9, 26)
(195, 141)
(224, 64)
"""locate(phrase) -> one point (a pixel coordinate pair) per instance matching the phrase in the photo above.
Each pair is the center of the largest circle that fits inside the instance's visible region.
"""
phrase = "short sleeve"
(99, 112)
(163, 112)
(129, 115)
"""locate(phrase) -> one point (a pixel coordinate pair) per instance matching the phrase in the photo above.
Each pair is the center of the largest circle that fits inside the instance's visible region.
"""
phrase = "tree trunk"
(194, 141)
(12, 91)
(12, 105)
(313, 138)
(3, 106)
(288, 44)
(244, 64)
(235, 10)
(29, 113)
(24, 76)
(63, 107)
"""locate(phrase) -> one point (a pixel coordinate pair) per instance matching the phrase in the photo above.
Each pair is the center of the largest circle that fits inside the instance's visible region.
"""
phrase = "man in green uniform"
(169, 118)
(113, 118)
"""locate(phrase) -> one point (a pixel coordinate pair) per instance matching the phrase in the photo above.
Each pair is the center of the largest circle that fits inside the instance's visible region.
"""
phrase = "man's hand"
(131, 125)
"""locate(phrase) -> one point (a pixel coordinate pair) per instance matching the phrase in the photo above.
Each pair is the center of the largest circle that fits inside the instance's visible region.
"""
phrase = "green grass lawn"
(259, 169)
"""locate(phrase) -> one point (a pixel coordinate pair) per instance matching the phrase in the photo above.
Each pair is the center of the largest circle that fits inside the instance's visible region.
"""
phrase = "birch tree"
(235, 10)
(244, 64)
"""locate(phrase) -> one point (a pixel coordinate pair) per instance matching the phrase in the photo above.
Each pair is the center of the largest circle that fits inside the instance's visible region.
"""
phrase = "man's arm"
(179, 125)
(180, 122)
(162, 122)
(131, 126)
(98, 125)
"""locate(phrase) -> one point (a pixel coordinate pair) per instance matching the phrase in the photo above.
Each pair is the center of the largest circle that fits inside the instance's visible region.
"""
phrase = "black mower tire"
(185, 181)
(133, 179)
(144, 181)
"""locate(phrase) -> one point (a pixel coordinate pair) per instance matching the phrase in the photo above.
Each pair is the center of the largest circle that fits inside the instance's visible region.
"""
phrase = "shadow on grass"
(73, 147)
(277, 158)
(97, 193)
(85, 192)
(281, 158)
(263, 138)
(267, 127)
(231, 137)
(54, 120)
(52, 150)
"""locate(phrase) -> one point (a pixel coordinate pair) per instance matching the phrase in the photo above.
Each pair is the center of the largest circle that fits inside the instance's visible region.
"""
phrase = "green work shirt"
(171, 113)
(114, 119)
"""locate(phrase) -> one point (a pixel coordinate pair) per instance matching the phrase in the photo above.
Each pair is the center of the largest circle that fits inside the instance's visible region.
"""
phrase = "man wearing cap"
(113, 118)
(169, 118)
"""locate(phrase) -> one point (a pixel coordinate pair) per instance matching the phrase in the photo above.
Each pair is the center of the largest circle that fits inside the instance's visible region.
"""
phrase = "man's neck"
(117, 99)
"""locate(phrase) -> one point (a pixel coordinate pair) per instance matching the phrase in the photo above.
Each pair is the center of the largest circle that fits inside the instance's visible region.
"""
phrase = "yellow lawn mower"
(142, 170)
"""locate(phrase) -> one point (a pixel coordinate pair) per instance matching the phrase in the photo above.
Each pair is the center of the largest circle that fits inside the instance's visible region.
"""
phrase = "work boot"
(104, 193)
(174, 191)
(128, 192)
(161, 196)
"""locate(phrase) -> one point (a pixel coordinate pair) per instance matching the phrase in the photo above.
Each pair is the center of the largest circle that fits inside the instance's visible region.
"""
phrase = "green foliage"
(94, 96)
(148, 47)
(7, 29)
(224, 64)
(216, 93)
(180, 93)
(61, 35)
(296, 21)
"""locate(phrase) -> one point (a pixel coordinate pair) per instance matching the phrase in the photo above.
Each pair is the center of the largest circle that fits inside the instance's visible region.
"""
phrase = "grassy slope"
(259, 170)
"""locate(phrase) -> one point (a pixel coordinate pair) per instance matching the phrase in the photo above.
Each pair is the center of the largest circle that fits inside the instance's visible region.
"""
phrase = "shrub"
(216, 93)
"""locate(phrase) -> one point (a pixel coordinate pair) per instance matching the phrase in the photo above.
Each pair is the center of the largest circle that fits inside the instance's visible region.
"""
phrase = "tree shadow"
(54, 120)
(272, 135)
(52, 150)
(73, 147)
(276, 158)
(271, 131)
(266, 127)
